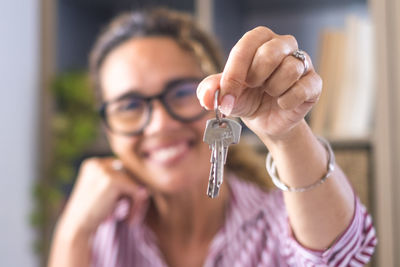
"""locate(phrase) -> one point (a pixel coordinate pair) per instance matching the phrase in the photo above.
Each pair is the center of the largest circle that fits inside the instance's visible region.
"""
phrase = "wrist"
(301, 159)
(72, 232)
(289, 138)
(70, 246)
(271, 168)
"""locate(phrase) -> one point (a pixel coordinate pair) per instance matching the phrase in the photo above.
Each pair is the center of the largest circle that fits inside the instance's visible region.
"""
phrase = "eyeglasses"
(131, 113)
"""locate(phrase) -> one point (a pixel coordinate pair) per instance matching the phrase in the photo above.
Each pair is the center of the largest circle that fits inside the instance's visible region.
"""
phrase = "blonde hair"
(242, 159)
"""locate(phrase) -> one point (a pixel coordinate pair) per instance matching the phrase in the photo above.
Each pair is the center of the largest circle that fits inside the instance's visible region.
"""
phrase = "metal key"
(219, 134)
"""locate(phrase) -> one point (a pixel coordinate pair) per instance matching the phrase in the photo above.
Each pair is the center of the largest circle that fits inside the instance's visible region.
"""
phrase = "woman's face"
(168, 156)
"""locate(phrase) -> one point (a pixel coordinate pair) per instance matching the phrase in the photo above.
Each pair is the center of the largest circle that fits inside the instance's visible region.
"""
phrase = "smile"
(168, 155)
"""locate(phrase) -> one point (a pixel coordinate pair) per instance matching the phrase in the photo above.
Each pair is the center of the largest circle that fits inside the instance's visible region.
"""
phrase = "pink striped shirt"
(256, 233)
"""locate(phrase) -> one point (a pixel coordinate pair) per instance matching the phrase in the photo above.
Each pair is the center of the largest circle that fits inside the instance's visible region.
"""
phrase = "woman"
(149, 207)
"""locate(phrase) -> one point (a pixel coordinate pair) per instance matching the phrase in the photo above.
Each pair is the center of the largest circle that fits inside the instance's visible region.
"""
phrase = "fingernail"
(201, 104)
(227, 104)
(200, 96)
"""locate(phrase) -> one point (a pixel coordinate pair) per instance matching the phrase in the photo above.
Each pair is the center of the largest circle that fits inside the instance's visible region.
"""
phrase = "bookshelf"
(334, 34)
(386, 19)
(303, 19)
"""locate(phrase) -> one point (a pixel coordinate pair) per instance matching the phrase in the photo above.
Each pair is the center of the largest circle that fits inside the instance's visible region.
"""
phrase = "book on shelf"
(344, 110)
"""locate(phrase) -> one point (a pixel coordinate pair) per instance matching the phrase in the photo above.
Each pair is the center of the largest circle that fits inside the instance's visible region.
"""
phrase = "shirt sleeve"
(104, 250)
(352, 248)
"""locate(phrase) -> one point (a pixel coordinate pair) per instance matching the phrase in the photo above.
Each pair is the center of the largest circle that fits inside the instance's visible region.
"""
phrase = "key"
(219, 134)
(212, 137)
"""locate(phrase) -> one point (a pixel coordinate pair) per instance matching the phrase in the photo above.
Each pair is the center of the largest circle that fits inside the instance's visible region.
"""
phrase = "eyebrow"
(131, 92)
(128, 94)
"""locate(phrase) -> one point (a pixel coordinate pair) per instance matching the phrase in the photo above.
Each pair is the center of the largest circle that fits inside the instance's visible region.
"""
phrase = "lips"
(168, 154)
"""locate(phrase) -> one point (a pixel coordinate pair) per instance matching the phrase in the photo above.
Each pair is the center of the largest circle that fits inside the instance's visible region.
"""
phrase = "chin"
(178, 167)
(171, 163)
(179, 181)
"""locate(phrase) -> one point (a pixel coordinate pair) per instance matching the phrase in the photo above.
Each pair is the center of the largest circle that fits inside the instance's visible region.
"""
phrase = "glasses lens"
(127, 115)
(182, 100)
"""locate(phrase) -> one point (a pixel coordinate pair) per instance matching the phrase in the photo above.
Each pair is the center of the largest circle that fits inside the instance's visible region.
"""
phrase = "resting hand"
(268, 87)
(98, 189)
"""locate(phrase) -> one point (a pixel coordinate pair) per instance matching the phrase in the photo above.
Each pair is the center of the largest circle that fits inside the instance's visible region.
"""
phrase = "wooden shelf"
(257, 5)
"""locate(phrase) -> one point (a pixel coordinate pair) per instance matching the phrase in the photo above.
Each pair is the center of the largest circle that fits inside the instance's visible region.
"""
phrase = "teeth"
(168, 153)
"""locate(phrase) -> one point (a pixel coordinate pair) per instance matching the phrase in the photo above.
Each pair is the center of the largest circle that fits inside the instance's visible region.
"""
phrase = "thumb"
(206, 90)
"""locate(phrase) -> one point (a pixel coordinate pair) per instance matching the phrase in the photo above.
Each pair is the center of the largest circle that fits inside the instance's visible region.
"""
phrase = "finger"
(121, 178)
(122, 208)
(134, 194)
(138, 206)
(129, 207)
(206, 90)
(246, 104)
(306, 90)
(289, 72)
(268, 58)
(240, 58)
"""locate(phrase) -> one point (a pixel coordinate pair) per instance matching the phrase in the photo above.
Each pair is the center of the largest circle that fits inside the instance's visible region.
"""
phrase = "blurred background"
(49, 123)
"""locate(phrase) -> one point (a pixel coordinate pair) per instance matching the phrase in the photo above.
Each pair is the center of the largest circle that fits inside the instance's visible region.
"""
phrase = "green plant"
(74, 127)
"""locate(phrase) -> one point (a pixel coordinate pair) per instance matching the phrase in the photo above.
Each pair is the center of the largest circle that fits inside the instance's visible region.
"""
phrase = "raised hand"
(264, 84)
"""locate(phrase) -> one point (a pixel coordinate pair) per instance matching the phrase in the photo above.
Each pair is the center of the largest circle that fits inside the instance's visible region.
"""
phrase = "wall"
(19, 65)
(80, 21)
(233, 19)
(305, 23)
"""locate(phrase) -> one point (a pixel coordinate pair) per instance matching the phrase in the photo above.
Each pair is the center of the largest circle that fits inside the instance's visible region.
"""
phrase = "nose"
(160, 120)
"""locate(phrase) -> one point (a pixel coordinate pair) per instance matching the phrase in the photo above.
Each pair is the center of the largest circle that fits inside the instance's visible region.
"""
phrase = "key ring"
(217, 112)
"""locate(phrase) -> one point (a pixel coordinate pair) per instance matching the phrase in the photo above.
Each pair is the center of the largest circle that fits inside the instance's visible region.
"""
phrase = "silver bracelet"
(271, 168)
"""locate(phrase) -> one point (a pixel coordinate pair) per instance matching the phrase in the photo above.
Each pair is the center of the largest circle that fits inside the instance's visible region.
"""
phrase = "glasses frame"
(149, 100)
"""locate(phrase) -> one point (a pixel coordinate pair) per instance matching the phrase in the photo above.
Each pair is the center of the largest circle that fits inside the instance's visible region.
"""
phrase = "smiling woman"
(148, 206)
